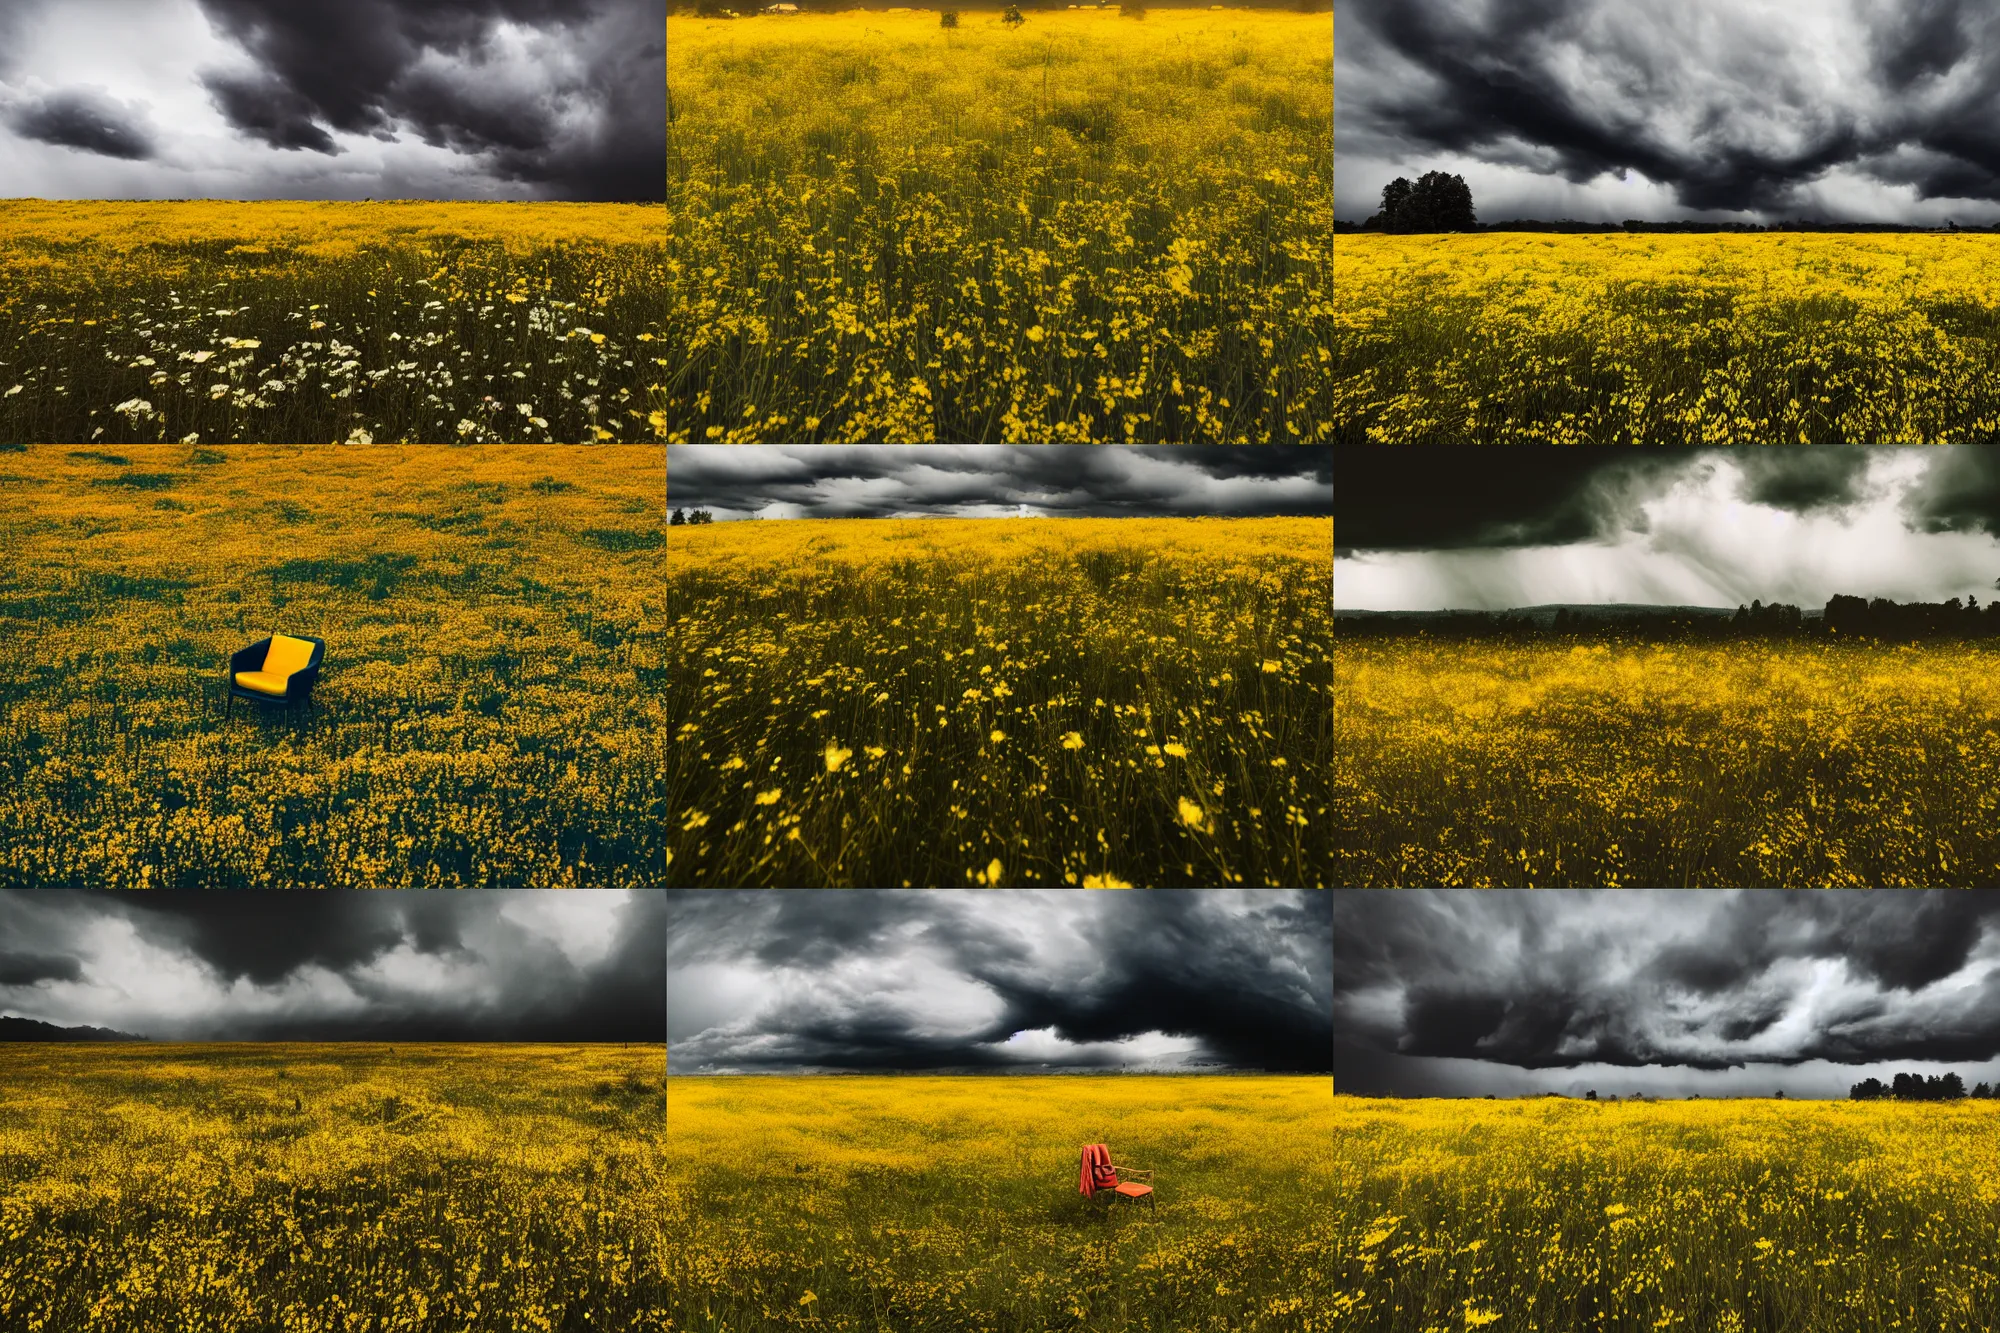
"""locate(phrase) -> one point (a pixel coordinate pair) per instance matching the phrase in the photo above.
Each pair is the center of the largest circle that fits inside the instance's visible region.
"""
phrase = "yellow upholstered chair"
(277, 670)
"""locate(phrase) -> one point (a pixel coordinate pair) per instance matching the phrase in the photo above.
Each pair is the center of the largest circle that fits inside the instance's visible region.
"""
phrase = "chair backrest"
(1095, 1172)
(287, 655)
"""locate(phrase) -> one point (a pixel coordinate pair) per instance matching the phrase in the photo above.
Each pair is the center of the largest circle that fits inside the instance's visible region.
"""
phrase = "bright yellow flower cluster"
(1090, 229)
(491, 615)
(1655, 339)
(318, 322)
(952, 1203)
(1554, 1215)
(1660, 765)
(1000, 701)
(489, 1189)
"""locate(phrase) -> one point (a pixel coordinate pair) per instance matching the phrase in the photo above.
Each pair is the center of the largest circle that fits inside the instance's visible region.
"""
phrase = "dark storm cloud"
(869, 481)
(584, 114)
(1451, 497)
(329, 966)
(1731, 107)
(998, 979)
(85, 119)
(1705, 980)
(25, 969)
(1960, 492)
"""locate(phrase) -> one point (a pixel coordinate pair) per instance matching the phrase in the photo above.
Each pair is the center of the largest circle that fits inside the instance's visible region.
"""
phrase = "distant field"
(1092, 228)
(1643, 339)
(1551, 1216)
(950, 1205)
(492, 619)
(299, 323)
(946, 702)
(329, 1188)
(1783, 764)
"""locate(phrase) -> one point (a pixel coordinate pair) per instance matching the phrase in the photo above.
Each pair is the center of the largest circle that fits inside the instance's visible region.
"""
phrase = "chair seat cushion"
(286, 655)
(1131, 1191)
(263, 682)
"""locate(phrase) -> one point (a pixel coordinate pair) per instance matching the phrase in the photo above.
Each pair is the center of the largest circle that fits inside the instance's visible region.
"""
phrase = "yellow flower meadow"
(1658, 339)
(214, 322)
(1090, 229)
(1658, 765)
(946, 697)
(492, 618)
(483, 1189)
(1241, 1240)
(1793, 1216)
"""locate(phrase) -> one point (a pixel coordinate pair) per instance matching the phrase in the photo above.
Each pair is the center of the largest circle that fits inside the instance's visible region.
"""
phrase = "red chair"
(1097, 1175)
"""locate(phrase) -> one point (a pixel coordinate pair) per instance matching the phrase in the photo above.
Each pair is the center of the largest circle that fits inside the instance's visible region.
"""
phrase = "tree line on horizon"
(681, 516)
(1438, 201)
(1843, 617)
(1917, 1088)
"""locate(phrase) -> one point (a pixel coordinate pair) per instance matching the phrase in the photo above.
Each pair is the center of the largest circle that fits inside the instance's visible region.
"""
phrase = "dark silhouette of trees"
(1844, 617)
(1436, 202)
(679, 518)
(1916, 1088)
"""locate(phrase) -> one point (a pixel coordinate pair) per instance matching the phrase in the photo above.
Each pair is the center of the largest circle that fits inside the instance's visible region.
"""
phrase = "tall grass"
(292, 323)
(1605, 763)
(321, 1188)
(950, 1205)
(1086, 229)
(1010, 701)
(486, 714)
(1553, 1215)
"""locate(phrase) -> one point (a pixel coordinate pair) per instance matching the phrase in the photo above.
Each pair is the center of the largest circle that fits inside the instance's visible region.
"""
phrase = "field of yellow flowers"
(1653, 339)
(950, 1205)
(938, 702)
(1551, 1216)
(1086, 228)
(324, 1189)
(486, 713)
(1781, 764)
(300, 323)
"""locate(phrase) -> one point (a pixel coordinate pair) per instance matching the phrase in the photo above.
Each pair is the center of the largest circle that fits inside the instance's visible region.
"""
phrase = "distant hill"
(29, 1029)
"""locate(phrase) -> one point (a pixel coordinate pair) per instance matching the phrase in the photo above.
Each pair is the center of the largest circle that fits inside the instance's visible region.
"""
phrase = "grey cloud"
(1702, 980)
(1066, 480)
(585, 117)
(86, 119)
(1732, 107)
(242, 959)
(1243, 974)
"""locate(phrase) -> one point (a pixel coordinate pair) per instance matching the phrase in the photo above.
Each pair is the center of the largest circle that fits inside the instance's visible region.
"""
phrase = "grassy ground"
(950, 1205)
(1550, 1216)
(1601, 764)
(485, 715)
(318, 1188)
(1011, 701)
(300, 323)
(1089, 228)
(1667, 339)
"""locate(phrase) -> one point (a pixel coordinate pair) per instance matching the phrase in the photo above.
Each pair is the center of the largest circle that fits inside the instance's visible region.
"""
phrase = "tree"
(701, 516)
(678, 519)
(1436, 202)
(948, 19)
(1868, 1090)
(1013, 17)
(1951, 1087)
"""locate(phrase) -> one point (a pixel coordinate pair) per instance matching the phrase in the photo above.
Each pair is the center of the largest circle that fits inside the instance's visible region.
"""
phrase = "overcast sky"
(333, 99)
(501, 965)
(1004, 980)
(1489, 528)
(738, 481)
(1668, 992)
(1746, 110)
